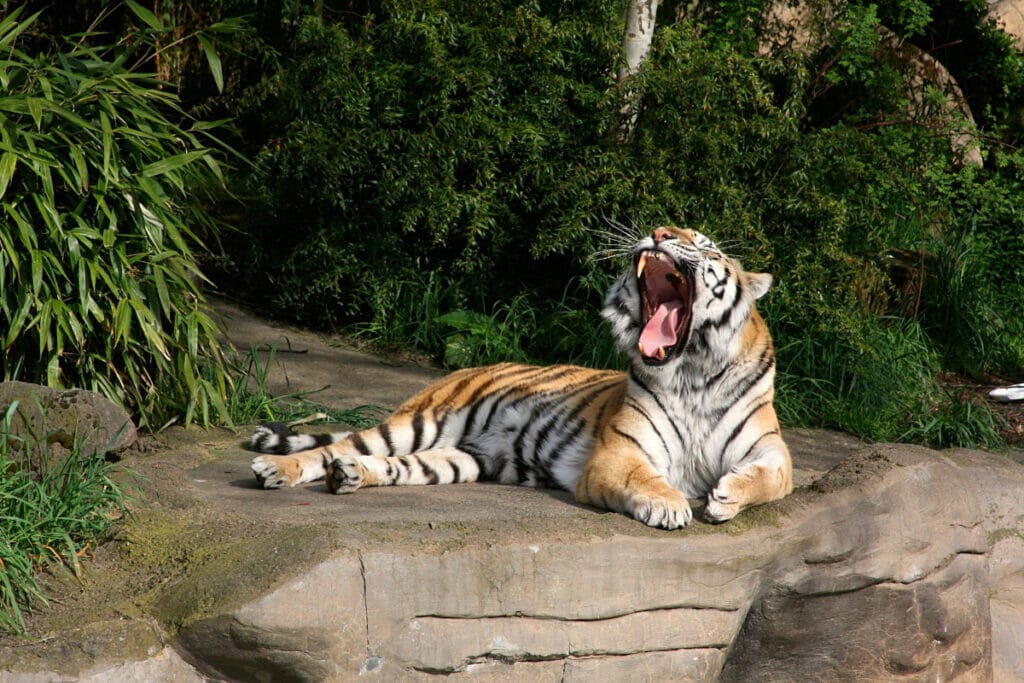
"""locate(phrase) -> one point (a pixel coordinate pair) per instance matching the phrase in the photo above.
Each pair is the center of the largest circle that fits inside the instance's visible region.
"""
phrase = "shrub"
(421, 141)
(420, 160)
(101, 209)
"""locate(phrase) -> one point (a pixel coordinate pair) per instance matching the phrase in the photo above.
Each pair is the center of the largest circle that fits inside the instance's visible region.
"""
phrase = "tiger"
(692, 417)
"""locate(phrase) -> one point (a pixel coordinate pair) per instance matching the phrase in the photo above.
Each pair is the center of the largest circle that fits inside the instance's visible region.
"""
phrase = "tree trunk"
(636, 44)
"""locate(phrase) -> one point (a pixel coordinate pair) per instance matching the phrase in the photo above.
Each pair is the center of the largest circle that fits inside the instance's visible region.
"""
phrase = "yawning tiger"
(692, 417)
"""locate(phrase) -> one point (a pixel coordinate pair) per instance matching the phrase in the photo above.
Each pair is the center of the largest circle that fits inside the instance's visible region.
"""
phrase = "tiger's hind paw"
(662, 512)
(345, 475)
(274, 472)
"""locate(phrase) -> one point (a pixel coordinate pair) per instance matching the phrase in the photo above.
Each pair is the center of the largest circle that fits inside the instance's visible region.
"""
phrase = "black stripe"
(728, 397)
(438, 431)
(456, 472)
(714, 379)
(754, 445)
(502, 402)
(519, 458)
(767, 362)
(657, 400)
(639, 447)
(385, 433)
(402, 467)
(505, 393)
(739, 428)
(417, 431)
(480, 460)
(560, 419)
(555, 452)
(640, 409)
(457, 389)
(595, 428)
(429, 472)
(477, 403)
(360, 445)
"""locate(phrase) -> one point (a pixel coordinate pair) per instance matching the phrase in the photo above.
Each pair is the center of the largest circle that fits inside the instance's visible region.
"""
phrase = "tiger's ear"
(758, 284)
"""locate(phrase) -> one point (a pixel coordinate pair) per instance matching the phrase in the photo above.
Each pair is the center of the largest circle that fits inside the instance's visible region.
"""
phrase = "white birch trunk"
(636, 44)
(636, 41)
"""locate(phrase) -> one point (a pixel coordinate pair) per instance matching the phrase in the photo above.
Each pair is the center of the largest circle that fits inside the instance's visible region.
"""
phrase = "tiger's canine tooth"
(640, 346)
(641, 262)
(661, 353)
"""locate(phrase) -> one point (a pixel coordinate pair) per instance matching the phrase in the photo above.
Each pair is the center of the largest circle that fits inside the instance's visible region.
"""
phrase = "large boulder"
(876, 570)
(51, 422)
(1009, 16)
(887, 562)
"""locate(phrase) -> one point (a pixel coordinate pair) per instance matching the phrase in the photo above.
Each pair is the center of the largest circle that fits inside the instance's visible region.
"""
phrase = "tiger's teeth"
(661, 353)
(640, 264)
(640, 346)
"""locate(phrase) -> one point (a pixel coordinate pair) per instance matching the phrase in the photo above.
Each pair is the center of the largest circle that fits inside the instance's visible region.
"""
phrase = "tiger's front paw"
(721, 507)
(671, 511)
(276, 471)
(345, 475)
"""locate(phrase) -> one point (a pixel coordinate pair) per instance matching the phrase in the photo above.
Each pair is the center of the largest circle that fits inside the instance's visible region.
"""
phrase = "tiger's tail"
(277, 438)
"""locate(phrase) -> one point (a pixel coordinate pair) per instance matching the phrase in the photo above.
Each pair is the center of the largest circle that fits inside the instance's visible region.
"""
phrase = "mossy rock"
(48, 423)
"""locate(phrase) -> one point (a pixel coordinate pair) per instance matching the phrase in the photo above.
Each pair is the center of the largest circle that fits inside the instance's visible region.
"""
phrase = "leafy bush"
(420, 160)
(420, 142)
(101, 209)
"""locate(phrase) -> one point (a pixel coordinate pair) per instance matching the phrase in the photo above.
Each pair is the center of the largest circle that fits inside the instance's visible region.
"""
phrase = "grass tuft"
(48, 518)
(251, 401)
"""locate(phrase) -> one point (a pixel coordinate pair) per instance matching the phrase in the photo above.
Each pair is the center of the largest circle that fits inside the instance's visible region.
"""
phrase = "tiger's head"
(681, 297)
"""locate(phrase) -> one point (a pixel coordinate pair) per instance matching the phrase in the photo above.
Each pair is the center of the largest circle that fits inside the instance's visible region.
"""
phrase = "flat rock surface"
(214, 577)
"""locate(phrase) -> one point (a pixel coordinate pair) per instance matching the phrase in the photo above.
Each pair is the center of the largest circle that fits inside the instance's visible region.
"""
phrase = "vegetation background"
(439, 175)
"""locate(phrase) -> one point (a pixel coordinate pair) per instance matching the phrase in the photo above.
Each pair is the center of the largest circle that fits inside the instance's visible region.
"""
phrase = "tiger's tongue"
(660, 330)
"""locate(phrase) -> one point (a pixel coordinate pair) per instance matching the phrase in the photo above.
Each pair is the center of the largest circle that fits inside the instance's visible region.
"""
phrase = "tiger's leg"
(765, 476)
(448, 465)
(277, 471)
(618, 476)
(400, 434)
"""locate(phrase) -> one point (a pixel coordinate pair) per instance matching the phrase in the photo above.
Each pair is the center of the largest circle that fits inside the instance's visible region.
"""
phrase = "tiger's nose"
(661, 234)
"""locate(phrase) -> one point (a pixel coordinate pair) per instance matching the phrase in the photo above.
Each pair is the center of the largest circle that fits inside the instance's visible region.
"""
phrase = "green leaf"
(161, 290)
(213, 61)
(8, 164)
(81, 166)
(35, 108)
(145, 15)
(171, 163)
(18, 322)
(11, 27)
(53, 371)
(107, 135)
(122, 321)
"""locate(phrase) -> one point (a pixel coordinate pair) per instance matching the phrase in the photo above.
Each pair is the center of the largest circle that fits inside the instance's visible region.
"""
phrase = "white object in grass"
(1010, 394)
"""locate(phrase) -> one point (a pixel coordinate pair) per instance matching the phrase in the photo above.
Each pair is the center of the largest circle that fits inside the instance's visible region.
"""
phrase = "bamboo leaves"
(100, 211)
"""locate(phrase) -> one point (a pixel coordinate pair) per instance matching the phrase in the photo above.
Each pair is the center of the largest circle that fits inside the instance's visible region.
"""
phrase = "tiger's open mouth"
(666, 305)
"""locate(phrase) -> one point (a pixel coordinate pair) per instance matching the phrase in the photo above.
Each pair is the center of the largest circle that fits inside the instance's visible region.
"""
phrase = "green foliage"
(437, 173)
(48, 518)
(101, 209)
(954, 420)
(414, 139)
